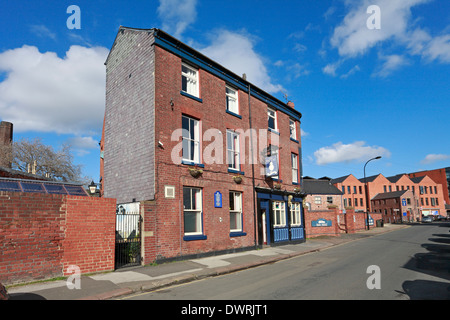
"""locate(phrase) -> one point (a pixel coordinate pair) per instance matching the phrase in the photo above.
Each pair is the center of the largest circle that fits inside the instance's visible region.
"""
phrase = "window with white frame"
(235, 211)
(233, 150)
(279, 213)
(292, 129)
(272, 152)
(191, 139)
(192, 202)
(232, 100)
(189, 80)
(318, 200)
(294, 164)
(296, 214)
(272, 115)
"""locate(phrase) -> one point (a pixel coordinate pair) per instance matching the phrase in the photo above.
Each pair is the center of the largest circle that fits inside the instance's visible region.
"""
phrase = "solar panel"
(32, 187)
(55, 188)
(75, 190)
(10, 186)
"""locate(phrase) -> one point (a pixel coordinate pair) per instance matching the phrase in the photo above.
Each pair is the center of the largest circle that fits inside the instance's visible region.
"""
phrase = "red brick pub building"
(213, 161)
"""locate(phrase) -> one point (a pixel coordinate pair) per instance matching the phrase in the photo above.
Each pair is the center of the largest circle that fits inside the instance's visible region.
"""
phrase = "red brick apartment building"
(213, 161)
(427, 196)
(440, 176)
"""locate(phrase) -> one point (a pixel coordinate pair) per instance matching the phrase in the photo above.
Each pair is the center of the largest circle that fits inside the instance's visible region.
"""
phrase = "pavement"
(122, 282)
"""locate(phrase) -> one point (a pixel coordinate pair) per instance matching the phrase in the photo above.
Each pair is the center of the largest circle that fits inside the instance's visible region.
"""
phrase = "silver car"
(427, 220)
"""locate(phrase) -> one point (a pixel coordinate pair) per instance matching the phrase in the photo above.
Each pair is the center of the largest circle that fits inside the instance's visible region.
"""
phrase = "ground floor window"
(192, 202)
(296, 214)
(279, 214)
(235, 211)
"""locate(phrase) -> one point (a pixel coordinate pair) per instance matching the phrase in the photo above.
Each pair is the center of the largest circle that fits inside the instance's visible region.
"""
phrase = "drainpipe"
(255, 221)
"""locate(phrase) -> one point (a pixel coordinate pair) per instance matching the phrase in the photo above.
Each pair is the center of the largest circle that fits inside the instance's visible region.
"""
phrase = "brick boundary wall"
(312, 232)
(41, 235)
(350, 222)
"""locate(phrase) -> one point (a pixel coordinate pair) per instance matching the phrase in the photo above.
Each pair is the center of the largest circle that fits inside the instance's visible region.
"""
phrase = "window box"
(237, 179)
(195, 172)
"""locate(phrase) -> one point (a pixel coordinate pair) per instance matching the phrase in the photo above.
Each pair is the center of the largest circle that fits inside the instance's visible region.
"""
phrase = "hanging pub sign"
(272, 166)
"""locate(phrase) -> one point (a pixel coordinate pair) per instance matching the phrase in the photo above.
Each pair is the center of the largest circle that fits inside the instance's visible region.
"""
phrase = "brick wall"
(350, 222)
(311, 216)
(89, 240)
(42, 234)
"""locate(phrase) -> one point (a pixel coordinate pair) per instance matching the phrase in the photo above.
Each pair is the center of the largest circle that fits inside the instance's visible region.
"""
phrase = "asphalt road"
(410, 263)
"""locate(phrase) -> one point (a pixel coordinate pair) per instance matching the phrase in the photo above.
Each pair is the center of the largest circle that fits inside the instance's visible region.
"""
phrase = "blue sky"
(362, 91)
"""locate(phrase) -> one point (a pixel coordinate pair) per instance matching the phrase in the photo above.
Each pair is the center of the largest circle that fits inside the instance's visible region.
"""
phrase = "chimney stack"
(291, 104)
(6, 138)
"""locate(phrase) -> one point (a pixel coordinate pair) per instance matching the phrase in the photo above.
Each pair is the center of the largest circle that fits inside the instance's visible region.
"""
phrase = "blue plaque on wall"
(217, 199)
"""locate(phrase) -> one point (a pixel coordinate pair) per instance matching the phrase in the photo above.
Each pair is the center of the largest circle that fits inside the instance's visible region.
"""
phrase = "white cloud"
(438, 49)
(356, 151)
(430, 158)
(83, 145)
(235, 51)
(352, 37)
(45, 93)
(330, 68)
(352, 71)
(177, 15)
(398, 33)
(42, 31)
(391, 63)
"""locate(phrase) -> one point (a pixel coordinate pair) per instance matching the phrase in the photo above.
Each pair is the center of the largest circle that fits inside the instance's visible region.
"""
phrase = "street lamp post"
(367, 191)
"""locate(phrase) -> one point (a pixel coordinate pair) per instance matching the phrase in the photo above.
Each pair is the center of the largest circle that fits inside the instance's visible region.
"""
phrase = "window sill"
(230, 170)
(295, 183)
(273, 131)
(294, 140)
(237, 234)
(194, 237)
(234, 114)
(191, 96)
(190, 163)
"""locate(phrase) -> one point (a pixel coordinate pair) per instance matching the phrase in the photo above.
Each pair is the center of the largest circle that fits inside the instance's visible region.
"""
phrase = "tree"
(35, 157)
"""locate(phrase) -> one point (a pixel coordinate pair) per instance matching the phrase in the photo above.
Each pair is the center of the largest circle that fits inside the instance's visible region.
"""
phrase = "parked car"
(427, 220)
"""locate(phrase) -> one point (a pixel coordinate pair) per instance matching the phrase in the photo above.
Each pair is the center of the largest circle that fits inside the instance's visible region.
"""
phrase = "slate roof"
(389, 195)
(339, 180)
(318, 186)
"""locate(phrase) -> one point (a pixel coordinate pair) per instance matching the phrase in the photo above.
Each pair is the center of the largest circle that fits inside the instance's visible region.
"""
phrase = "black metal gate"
(128, 239)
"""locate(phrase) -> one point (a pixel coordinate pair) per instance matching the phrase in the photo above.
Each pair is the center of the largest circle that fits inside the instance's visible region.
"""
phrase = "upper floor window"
(189, 80)
(233, 150)
(272, 115)
(294, 163)
(292, 129)
(191, 139)
(232, 100)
